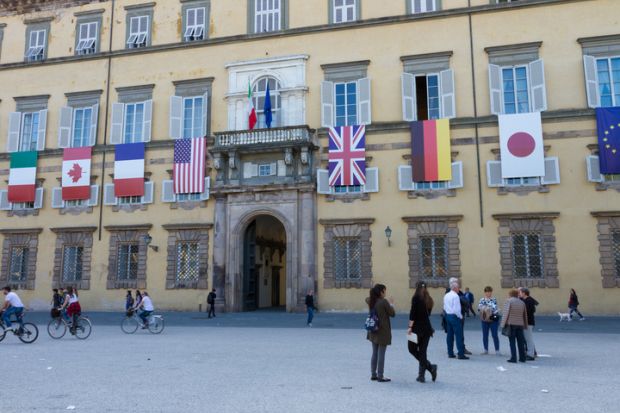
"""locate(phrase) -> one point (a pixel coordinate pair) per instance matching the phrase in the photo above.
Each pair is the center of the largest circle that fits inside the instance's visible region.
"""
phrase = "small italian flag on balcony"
(251, 110)
(22, 176)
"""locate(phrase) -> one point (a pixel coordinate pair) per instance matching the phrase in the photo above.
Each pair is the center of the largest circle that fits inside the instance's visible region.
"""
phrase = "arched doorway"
(264, 264)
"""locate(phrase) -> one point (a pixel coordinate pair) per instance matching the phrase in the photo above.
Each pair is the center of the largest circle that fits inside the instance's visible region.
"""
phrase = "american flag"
(189, 166)
(347, 155)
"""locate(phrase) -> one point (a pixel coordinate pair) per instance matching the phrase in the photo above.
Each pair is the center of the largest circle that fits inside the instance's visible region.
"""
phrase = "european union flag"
(267, 107)
(608, 125)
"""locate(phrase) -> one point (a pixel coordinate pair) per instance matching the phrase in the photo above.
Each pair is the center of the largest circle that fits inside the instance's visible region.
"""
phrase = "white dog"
(564, 316)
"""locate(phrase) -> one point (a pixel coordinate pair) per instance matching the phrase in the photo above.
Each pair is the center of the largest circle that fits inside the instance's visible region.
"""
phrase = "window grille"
(127, 262)
(616, 247)
(527, 255)
(18, 264)
(188, 263)
(434, 252)
(72, 263)
(347, 259)
(267, 15)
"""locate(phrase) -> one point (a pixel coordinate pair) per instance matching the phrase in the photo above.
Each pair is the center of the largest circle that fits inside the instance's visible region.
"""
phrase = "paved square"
(223, 365)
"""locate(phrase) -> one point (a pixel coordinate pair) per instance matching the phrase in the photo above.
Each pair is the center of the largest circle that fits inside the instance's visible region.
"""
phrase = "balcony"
(265, 138)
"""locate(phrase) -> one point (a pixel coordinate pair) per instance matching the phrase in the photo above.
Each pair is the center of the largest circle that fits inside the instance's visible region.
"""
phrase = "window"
(345, 11)
(193, 117)
(72, 263)
(527, 255)
(130, 200)
(87, 40)
(434, 256)
(23, 206)
(526, 181)
(348, 189)
(18, 264)
(127, 266)
(134, 122)
(265, 170)
(423, 6)
(138, 32)
(616, 247)
(29, 131)
(431, 185)
(347, 257)
(503, 1)
(259, 91)
(346, 103)
(36, 46)
(427, 96)
(608, 73)
(515, 88)
(195, 24)
(188, 263)
(82, 118)
(75, 203)
(551, 176)
(267, 15)
(188, 197)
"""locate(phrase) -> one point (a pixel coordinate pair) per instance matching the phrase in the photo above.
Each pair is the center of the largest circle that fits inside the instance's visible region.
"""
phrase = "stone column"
(219, 251)
(307, 246)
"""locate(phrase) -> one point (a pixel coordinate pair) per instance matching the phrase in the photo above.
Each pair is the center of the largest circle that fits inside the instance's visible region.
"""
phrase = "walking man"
(454, 316)
(530, 308)
(470, 299)
(310, 306)
(211, 301)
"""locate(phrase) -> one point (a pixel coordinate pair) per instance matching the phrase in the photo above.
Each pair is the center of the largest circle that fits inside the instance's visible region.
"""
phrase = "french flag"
(129, 169)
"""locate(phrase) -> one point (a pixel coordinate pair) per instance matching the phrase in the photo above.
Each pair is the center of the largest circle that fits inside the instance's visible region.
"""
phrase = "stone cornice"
(134, 227)
(330, 66)
(89, 12)
(346, 221)
(510, 48)
(426, 56)
(74, 229)
(192, 226)
(605, 214)
(527, 215)
(432, 218)
(141, 6)
(21, 230)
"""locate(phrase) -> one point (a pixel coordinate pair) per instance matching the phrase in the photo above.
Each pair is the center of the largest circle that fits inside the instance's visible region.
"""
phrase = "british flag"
(347, 155)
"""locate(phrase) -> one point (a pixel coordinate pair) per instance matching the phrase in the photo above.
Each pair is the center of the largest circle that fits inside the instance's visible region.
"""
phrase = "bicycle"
(131, 322)
(57, 327)
(26, 332)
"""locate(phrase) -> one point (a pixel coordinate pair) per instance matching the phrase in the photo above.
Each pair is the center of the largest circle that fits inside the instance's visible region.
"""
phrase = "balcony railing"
(263, 136)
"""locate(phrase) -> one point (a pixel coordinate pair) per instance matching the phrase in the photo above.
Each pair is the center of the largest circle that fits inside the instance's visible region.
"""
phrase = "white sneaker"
(11, 329)
(484, 353)
(497, 353)
(309, 324)
(582, 319)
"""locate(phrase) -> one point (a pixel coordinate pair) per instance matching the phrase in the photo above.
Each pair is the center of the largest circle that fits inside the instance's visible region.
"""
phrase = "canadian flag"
(521, 145)
(76, 173)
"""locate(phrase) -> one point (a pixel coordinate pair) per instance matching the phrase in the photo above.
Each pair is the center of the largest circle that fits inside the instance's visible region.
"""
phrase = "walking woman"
(515, 317)
(420, 324)
(489, 316)
(573, 303)
(381, 338)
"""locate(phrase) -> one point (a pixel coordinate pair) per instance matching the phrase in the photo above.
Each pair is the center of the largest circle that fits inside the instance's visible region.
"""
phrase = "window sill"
(23, 212)
(125, 285)
(546, 282)
(130, 208)
(347, 198)
(522, 190)
(80, 285)
(362, 283)
(195, 285)
(188, 205)
(76, 210)
(604, 186)
(431, 193)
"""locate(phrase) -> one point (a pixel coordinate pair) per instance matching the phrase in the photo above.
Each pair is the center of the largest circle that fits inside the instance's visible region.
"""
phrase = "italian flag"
(22, 176)
(251, 111)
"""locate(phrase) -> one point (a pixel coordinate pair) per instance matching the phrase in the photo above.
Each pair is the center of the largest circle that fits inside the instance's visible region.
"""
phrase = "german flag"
(430, 150)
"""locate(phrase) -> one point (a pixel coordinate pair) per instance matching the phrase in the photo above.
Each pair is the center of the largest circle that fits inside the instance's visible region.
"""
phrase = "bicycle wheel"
(28, 333)
(84, 327)
(129, 325)
(56, 328)
(156, 325)
(2, 333)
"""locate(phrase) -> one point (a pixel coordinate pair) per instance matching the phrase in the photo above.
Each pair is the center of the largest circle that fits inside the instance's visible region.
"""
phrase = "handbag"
(506, 330)
(372, 322)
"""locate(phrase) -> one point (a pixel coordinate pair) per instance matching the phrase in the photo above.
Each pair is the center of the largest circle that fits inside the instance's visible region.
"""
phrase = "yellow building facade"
(268, 226)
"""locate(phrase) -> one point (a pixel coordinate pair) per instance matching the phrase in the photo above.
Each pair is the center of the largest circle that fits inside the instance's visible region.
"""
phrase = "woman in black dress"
(420, 324)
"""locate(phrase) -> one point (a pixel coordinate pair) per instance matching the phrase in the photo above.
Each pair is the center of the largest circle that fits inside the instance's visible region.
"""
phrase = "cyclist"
(71, 307)
(12, 305)
(147, 308)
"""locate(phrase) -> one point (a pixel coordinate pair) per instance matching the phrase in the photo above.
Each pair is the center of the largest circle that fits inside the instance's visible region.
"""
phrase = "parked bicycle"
(26, 332)
(131, 322)
(58, 326)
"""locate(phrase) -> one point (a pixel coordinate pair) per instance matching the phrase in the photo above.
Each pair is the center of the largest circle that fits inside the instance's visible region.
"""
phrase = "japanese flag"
(521, 145)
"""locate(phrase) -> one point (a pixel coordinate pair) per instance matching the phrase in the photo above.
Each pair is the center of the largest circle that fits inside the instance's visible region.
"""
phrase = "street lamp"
(388, 234)
(147, 240)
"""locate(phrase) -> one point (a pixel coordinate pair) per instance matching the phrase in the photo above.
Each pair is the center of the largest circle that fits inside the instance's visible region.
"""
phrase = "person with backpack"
(211, 301)
(420, 325)
(380, 333)
(489, 318)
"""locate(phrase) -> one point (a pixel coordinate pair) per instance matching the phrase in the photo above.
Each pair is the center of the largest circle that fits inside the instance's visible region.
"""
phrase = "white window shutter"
(494, 174)
(247, 170)
(206, 193)
(167, 191)
(372, 180)
(495, 90)
(93, 200)
(176, 118)
(65, 126)
(116, 131)
(364, 112)
(273, 168)
(457, 175)
(281, 168)
(205, 113)
(592, 92)
(108, 195)
(5, 205)
(594, 169)
(147, 198)
(38, 198)
(552, 171)
(446, 89)
(407, 82)
(92, 138)
(42, 130)
(537, 86)
(254, 170)
(15, 123)
(148, 120)
(327, 104)
(57, 201)
(322, 182)
(405, 178)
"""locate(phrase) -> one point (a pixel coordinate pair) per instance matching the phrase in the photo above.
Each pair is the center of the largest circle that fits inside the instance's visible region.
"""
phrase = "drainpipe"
(476, 132)
(105, 119)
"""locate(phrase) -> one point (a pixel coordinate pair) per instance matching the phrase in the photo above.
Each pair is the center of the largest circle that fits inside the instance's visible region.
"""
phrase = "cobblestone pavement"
(262, 363)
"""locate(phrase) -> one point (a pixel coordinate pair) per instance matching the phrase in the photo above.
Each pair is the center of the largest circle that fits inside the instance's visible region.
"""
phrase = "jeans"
(310, 314)
(574, 310)
(455, 330)
(211, 310)
(516, 333)
(485, 334)
(419, 352)
(377, 362)
(9, 312)
(529, 340)
(144, 315)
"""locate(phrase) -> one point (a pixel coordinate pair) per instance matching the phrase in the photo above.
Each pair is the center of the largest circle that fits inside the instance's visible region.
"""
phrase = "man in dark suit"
(211, 301)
